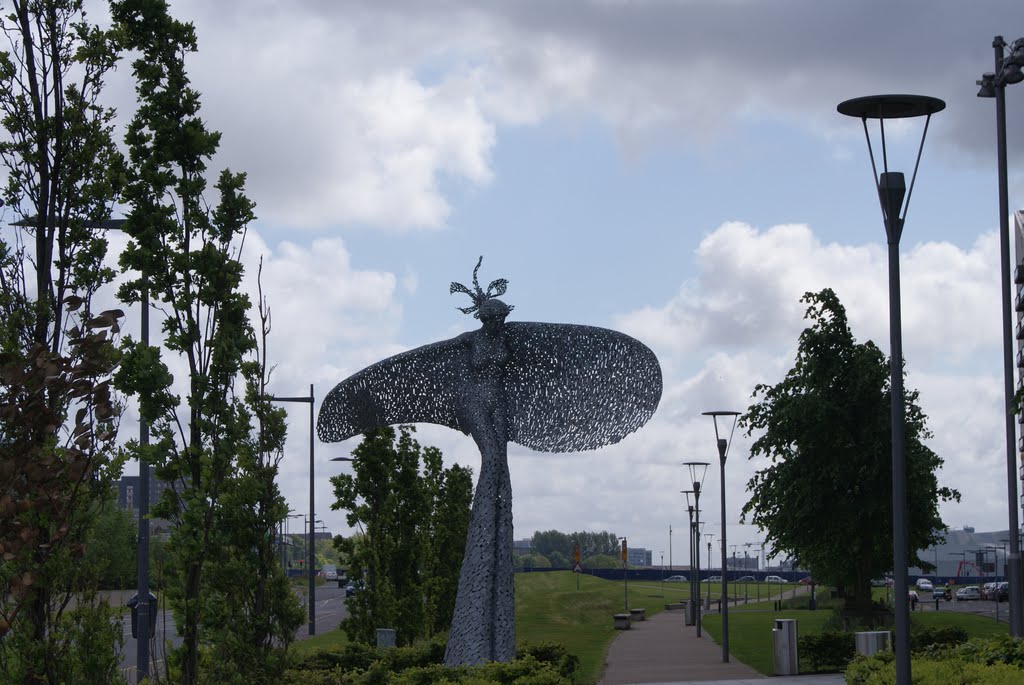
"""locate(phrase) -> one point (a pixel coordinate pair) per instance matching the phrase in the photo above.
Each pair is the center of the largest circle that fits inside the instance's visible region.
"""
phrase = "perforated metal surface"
(550, 387)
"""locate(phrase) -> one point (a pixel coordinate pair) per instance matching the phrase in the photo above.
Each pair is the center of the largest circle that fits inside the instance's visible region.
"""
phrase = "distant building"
(129, 491)
(965, 553)
(522, 547)
(638, 556)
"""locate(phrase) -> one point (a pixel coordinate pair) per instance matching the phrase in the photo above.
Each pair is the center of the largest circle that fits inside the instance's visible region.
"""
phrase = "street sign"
(624, 555)
(576, 553)
(577, 568)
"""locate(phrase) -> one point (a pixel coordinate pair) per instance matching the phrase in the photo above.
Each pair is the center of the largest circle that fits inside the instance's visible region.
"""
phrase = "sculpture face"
(550, 387)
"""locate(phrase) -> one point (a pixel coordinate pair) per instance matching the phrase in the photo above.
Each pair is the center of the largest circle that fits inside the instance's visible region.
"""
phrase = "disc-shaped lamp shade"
(891, 106)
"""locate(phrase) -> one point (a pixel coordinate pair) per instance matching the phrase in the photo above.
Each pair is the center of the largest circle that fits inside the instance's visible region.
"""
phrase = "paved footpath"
(664, 651)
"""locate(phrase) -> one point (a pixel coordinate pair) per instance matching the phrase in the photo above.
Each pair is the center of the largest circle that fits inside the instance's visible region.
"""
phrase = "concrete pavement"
(664, 651)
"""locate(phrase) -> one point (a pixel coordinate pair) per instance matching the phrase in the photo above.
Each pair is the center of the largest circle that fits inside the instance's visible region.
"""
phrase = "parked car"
(748, 579)
(940, 593)
(968, 593)
(330, 573)
(924, 585)
(988, 591)
(807, 580)
(351, 589)
(1002, 592)
(676, 579)
(775, 579)
(878, 582)
(913, 598)
(712, 579)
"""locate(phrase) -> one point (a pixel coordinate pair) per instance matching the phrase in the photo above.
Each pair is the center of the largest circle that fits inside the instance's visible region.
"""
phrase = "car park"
(712, 579)
(968, 593)
(746, 579)
(676, 579)
(775, 579)
(924, 585)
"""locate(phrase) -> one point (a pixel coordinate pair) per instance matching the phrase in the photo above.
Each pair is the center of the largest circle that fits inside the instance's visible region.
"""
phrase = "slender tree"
(825, 498)
(58, 417)
(219, 444)
(414, 521)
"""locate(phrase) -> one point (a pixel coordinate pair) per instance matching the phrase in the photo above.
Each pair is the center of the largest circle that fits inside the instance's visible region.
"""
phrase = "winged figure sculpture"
(549, 387)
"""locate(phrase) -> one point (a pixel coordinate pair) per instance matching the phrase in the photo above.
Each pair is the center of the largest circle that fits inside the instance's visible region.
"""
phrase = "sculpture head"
(486, 306)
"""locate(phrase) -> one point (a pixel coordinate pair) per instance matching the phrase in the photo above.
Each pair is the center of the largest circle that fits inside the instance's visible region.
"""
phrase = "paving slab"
(663, 650)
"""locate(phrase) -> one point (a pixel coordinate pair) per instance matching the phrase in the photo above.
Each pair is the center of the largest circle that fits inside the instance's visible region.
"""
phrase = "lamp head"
(987, 83)
(1012, 74)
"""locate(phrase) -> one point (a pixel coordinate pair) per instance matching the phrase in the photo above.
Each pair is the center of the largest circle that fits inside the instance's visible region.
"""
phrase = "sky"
(673, 170)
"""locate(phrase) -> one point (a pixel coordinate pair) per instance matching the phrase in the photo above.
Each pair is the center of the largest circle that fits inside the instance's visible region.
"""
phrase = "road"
(330, 609)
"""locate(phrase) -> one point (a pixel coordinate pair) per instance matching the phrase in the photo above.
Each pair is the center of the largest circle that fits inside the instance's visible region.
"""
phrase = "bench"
(675, 605)
(638, 614)
(621, 621)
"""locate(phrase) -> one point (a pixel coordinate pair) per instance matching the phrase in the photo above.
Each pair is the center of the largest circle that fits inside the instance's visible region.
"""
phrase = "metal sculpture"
(549, 387)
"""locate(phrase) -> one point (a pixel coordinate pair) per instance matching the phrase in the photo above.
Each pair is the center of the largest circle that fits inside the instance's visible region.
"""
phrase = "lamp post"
(670, 567)
(993, 85)
(625, 582)
(691, 615)
(709, 537)
(723, 452)
(891, 189)
(142, 547)
(312, 509)
(696, 471)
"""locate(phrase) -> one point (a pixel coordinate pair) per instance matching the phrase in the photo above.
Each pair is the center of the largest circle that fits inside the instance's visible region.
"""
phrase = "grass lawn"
(549, 608)
(750, 631)
(331, 640)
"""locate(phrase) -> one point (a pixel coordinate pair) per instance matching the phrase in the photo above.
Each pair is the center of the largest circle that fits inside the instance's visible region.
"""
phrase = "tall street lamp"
(312, 509)
(696, 471)
(723, 452)
(891, 189)
(709, 537)
(142, 547)
(993, 85)
(691, 615)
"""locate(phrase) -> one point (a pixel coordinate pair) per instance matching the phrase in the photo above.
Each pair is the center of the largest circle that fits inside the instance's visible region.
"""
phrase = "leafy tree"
(110, 547)
(57, 413)
(414, 519)
(224, 504)
(826, 497)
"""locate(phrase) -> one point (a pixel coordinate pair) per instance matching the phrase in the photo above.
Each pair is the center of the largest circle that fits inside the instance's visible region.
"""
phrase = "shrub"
(880, 669)
(948, 636)
(829, 651)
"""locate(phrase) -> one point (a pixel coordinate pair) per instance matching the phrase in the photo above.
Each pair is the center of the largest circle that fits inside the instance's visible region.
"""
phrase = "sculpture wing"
(572, 388)
(418, 386)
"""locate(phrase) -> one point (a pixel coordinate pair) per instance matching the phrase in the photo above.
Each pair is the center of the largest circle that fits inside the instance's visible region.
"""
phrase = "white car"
(775, 579)
(924, 585)
(968, 593)
(676, 579)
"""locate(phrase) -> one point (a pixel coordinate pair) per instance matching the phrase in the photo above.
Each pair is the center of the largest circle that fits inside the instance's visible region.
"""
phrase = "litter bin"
(133, 604)
(784, 652)
(386, 637)
(870, 641)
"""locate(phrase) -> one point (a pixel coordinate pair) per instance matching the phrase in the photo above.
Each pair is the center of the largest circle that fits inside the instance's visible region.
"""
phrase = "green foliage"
(421, 664)
(923, 637)
(57, 414)
(880, 669)
(826, 496)
(224, 581)
(110, 548)
(552, 542)
(1001, 650)
(826, 651)
(415, 521)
